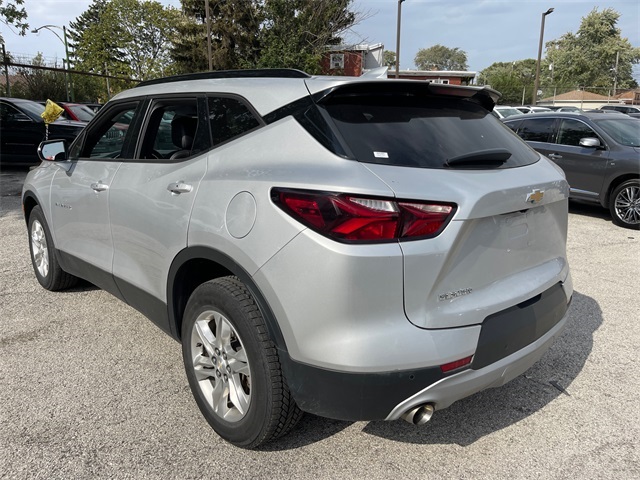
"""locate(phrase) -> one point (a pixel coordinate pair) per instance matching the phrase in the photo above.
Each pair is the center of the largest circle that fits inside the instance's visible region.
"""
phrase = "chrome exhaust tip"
(419, 415)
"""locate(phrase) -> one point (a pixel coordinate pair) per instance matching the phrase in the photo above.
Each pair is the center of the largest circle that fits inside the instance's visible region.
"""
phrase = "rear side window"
(536, 129)
(423, 132)
(229, 118)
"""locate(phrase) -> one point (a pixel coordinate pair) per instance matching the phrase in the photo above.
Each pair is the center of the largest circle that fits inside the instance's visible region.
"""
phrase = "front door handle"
(179, 187)
(99, 186)
(554, 156)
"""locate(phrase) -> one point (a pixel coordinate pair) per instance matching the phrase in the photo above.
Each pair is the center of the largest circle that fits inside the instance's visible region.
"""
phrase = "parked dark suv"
(599, 153)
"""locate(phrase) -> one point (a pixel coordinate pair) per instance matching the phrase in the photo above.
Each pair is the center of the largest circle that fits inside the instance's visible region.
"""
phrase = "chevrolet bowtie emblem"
(535, 196)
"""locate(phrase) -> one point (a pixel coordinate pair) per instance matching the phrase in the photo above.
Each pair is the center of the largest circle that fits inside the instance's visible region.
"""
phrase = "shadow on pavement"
(589, 210)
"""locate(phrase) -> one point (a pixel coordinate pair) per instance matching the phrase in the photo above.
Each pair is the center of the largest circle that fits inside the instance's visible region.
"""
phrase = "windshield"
(422, 132)
(32, 107)
(82, 113)
(624, 131)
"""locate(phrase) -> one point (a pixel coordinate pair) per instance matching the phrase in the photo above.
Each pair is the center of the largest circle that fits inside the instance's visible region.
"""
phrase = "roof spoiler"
(484, 96)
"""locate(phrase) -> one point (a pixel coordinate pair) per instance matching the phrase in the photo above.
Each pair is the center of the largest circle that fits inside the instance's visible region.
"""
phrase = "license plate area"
(508, 331)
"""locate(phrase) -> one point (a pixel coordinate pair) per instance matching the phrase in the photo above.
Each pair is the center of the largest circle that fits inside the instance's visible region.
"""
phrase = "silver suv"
(359, 249)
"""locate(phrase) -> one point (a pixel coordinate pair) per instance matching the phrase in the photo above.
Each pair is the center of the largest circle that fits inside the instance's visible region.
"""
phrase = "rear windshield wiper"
(491, 158)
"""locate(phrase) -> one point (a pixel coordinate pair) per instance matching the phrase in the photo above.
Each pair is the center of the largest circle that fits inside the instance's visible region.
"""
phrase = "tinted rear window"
(424, 132)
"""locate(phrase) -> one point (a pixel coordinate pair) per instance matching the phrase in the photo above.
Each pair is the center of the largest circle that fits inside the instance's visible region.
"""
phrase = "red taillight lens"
(449, 367)
(363, 219)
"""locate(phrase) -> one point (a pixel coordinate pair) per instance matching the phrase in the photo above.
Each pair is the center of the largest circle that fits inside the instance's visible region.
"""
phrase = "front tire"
(43, 257)
(624, 204)
(233, 367)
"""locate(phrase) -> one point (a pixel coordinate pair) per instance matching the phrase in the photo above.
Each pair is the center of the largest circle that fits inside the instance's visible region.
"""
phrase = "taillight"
(353, 218)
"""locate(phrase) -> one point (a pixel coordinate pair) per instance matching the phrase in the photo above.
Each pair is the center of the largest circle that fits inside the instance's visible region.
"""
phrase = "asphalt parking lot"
(89, 388)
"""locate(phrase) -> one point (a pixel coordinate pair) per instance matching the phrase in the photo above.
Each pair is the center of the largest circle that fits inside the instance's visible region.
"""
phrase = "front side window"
(107, 139)
(572, 131)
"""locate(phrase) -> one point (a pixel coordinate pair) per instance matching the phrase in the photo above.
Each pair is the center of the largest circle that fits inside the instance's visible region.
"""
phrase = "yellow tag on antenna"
(51, 112)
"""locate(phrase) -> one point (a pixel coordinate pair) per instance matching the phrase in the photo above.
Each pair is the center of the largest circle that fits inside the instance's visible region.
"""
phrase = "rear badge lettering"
(451, 295)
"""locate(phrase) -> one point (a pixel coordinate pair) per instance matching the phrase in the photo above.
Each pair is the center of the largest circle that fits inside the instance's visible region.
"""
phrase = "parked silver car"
(354, 248)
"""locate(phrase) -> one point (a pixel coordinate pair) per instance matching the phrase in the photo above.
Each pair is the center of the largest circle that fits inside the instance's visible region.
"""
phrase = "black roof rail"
(256, 73)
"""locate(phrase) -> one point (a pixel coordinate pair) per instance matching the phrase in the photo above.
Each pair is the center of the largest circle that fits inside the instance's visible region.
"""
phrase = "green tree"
(389, 59)
(588, 57)
(13, 14)
(294, 33)
(263, 34)
(234, 27)
(129, 39)
(37, 84)
(440, 57)
(91, 16)
(511, 79)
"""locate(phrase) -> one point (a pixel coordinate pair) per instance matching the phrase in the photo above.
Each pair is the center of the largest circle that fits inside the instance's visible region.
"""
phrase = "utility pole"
(615, 74)
(6, 70)
(66, 51)
(398, 39)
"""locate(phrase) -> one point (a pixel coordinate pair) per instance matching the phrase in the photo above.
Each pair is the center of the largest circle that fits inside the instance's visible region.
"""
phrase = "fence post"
(6, 70)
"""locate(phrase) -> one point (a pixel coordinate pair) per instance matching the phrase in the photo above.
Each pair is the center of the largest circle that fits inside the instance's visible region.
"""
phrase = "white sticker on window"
(381, 154)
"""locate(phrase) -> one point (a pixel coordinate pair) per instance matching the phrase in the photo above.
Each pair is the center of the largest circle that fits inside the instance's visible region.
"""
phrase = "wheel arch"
(194, 266)
(29, 202)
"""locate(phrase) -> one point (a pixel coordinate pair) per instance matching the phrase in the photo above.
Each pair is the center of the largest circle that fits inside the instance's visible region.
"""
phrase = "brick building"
(351, 60)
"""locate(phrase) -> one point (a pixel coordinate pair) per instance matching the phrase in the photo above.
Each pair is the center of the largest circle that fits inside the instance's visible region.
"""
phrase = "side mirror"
(53, 150)
(590, 142)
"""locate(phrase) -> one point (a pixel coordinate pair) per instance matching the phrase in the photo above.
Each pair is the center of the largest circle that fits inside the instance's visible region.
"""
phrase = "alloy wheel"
(627, 205)
(221, 366)
(39, 248)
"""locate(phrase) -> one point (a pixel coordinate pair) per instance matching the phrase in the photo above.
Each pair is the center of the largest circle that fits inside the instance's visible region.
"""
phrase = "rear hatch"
(506, 241)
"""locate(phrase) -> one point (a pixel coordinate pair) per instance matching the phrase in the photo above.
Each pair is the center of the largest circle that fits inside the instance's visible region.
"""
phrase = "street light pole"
(66, 51)
(398, 39)
(534, 96)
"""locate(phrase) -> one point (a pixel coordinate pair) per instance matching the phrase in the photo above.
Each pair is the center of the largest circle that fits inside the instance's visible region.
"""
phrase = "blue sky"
(487, 30)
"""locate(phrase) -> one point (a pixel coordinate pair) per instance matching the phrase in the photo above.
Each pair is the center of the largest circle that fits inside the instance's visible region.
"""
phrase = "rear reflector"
(448, 367)
(351, 218)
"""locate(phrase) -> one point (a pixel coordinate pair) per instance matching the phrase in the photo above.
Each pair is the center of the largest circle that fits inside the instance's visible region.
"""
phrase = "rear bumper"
(510, 342)
(456, 387)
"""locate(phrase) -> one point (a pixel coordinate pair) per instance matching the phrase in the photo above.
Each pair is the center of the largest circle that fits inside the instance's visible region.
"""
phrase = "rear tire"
(43, 255)
(624, 204)
(233, 366)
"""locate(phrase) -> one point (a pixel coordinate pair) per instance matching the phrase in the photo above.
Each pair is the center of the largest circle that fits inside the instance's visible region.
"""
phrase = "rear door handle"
(99, 186)
(554, 156)
(179, 187)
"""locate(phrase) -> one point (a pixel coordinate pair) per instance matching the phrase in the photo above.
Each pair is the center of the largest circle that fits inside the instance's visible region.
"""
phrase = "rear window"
(425, 132)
